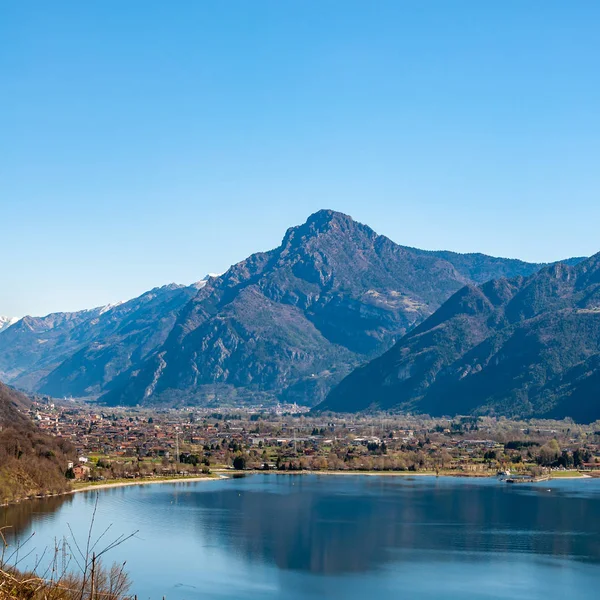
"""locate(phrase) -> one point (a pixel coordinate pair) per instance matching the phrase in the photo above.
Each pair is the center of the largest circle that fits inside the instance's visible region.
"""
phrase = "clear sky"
(144, 142)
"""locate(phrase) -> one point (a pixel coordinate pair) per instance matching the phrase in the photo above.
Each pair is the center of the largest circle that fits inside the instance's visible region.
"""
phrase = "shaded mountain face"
(516, 347)
(79, 354)
(290, 323)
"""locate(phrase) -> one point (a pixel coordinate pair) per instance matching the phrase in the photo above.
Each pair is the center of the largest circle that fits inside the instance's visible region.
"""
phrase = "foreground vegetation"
(72, 570)
(108, 584)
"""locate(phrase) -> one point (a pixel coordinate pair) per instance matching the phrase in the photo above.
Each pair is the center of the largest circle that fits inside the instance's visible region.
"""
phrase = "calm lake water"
(347, 537)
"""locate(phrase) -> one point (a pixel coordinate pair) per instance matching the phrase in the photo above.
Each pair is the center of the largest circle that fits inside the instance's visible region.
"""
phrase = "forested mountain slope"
(518, 347)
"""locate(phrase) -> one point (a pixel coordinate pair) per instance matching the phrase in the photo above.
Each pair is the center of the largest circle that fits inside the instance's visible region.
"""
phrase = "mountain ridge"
(282, 325)
(58, 353)
(348, 290)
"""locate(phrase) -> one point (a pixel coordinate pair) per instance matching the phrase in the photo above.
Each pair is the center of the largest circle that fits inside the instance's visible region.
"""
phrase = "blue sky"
(144, 142)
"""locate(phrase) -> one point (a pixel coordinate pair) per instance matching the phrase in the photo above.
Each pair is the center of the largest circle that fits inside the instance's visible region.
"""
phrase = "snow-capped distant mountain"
(78, 353)
(7, 322)
(200, 284)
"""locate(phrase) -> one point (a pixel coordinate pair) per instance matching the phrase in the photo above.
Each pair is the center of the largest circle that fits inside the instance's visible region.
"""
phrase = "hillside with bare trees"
(31, 463)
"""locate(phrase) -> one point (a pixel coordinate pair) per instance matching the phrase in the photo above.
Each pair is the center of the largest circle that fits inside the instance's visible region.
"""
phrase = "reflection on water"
(17, 518)
(300, 537)
(355, 528)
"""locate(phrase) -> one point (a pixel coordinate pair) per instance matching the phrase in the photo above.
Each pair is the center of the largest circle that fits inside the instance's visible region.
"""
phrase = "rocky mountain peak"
(327, 218)
(325, 222)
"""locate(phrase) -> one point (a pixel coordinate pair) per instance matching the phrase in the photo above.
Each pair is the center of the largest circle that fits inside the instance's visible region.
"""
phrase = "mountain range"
(79, 353)
(524, 346)
(284, 325)
(290, 323)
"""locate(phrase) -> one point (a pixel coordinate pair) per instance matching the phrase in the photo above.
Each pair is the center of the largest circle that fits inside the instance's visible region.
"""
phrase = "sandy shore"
(117, 484)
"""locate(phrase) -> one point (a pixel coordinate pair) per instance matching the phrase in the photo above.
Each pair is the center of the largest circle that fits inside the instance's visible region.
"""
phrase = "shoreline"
(228, 474)
(220, 475)
(113, 484)
(118, 484)
(454, 474)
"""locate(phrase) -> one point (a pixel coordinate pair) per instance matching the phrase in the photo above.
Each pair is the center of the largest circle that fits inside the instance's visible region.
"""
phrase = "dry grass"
(108, 584)
(69, 571)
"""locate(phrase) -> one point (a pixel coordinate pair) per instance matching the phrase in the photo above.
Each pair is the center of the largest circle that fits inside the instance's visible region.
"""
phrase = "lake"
(349, 537)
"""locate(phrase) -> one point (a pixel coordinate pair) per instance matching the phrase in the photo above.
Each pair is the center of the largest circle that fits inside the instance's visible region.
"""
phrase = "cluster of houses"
(162, 434)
